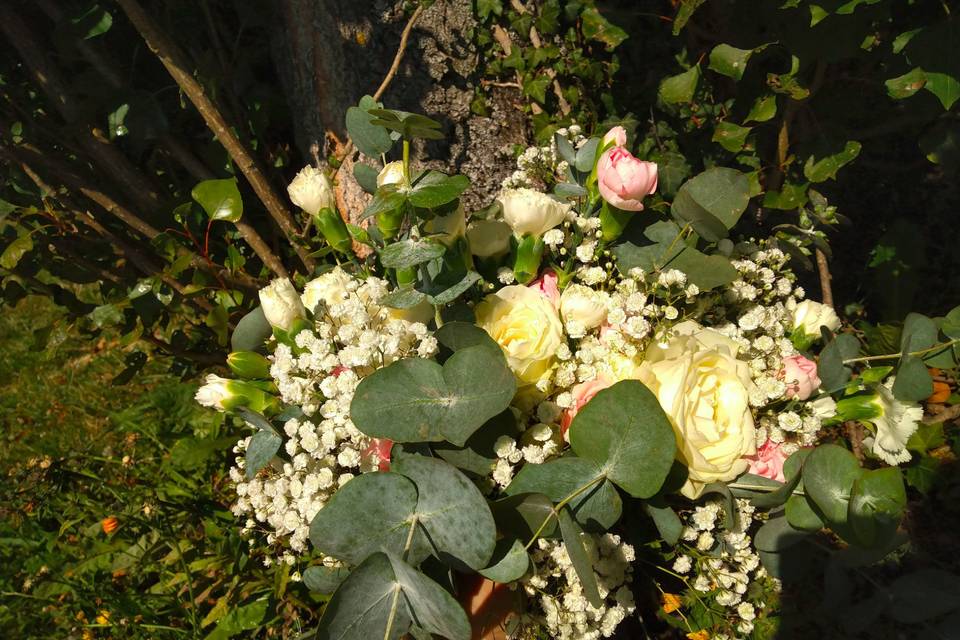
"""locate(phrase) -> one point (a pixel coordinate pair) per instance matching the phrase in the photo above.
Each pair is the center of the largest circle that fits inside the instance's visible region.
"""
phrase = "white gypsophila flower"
(281, 304)
(530, 212)
(682, 564)
(897, 423)
(554, 238)
(311, 191)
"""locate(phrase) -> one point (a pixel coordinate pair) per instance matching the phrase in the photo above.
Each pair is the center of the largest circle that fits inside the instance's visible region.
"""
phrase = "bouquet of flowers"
(494, 412)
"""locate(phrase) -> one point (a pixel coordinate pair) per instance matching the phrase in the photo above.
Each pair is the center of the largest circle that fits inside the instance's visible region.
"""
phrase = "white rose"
(704, 390)
(331, 288)
(583, 305)
(392, 173)
(447, 228)
(531, 212)
(311, 191)
(526, 326)
(809, 316)
(489, 238)
(281, 304)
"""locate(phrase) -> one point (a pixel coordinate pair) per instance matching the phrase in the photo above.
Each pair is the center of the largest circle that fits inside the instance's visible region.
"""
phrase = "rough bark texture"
(331, 52)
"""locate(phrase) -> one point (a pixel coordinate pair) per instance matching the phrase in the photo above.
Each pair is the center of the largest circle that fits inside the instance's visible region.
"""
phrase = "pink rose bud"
(547, 285)
(800, 376)
(624, 180)
(582, 394)
(768, 461)
(616, 137)
(379, 447)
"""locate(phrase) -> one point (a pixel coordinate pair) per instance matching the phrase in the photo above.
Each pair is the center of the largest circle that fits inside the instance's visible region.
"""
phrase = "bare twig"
(387, 79)
(174, 61)
(823, 267)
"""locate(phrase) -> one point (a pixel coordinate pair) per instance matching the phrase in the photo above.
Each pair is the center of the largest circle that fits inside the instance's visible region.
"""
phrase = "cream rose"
(311, 191)
(530, 212)
(809, 316)
(584, 306)
(331, 288)
(705, 390)
(527, 328)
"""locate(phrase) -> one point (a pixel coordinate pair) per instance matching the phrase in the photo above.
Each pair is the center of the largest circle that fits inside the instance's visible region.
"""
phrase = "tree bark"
(329, 54)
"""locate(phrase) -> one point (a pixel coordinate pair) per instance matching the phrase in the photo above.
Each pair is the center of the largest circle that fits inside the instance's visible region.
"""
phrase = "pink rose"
(547, 285)
(582, 394)
(379, 447)
(768, 461)
(800, 375)
(623, 180)
(616, 135)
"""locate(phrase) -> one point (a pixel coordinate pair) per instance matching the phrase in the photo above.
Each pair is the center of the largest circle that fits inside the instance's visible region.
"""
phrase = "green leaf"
(763, 109)
(383, 592)
(366, 177)
(251, 332)
(913, 382)
(324, 579)
(94, 22)
(668, 523)
(828, 476)
(730, 61)
(926, 437)
(680, 88)
(261, 450)
(776, 534)
(408, 253)
(587, 155)
(370, 139)
(372, 512)
(415, 400)
(220, 199)
(536, 87)
(625, 432)
(436, 189)
(487, 7)
(907, 84)
(389, 197)
(510, 562)
(790, 196)
(243, 618)
(919, 332)
(924, 594)
(408, 125)
(877, 503)
(598, 508)
(15, 251)
(801, 515)
(712, 202)
(478, 455)
(687, 7)
(522, 514)
(826, 168)
(596, 27)
(579, 558)
(731, 136)
(707, 272)
(934, 50)
(831, 370)
(402, 298)
(441, 291)
(781, 495)
(218, 319)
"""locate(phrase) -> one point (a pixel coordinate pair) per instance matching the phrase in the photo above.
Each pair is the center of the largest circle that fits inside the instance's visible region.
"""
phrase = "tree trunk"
(332, 52)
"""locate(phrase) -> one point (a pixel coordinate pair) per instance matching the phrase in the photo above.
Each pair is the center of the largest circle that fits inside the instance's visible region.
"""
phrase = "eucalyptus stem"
(560, 505)
(406, 160)
(899, 354)
(396, 588)
(760, 487)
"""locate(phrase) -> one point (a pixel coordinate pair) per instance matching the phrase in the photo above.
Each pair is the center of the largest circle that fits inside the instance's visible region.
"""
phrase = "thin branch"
(823, 267)
(387, 79)
(173, 59)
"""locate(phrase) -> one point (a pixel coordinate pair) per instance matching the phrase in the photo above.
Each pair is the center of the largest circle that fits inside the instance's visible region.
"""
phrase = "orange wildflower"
(699, 635)
(671, 602)
(109, 524)
(941, 391)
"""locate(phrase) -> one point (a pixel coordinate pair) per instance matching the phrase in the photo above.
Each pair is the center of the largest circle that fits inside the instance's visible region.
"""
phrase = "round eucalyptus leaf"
(801, 515)
(877, 503)
(459, 335)
(251, 332)
(263, 446)
(371, 512)
(625, 432)
(453, 515)
(597, 509)
(510, 561)
(828, 476)
(431, 605)
(777, 534)
(324, 579)
(361, 607)
(416, 400)
(522, 514)
(477, 455)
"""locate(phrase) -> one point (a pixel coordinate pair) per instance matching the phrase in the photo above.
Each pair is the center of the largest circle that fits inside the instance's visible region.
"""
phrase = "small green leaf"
(712, 202)
(596, 27)
(913, 382)
(625, 432)
(763, 109)
(252, 332)
(828, 476)
(907, 84)
(730, 61)
(522, 514)
(826, 168)
(668, 523)
(687, 7)
(919, 332)
(510, 561)
(220, 199)
(680, 88)
(15, 251)
(366, 177)
(409, 253)
(731, 136)
(370, 139)
(436, 189)
(261, 450)
(579, 558)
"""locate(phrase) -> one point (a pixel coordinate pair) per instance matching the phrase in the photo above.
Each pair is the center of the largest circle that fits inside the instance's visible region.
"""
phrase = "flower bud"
(224, 394)
(311, 191)
(800, 376)
(392, 173)
(583, 305)
(860, 406)
(281, 304)
(334, 230)
(527, 263)
(616, 137)
(530, 212)
(624, 180)
(489, 238)
(248, 364)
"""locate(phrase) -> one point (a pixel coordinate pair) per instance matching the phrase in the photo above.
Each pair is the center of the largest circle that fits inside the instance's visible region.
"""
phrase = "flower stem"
(891, 356)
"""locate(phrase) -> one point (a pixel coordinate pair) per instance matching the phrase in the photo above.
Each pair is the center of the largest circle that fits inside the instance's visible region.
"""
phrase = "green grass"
(77, 450)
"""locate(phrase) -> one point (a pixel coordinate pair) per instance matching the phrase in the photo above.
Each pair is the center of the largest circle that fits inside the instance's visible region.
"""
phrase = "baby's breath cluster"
(556, 594)
(541, 165)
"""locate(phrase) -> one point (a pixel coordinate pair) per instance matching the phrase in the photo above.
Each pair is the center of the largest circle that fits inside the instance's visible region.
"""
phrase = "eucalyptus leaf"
(372, 140)
(261, 450)
(436, 189)
(324, 579)
(777, 534)
(800, 514)
(625, 432)
(522, 514)
(913, 382)
(579, 558)
(666, 520)
(404, 254)
(510, 562)
(877, 504)
(828, 476)
(712, 202)
(416, 400)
